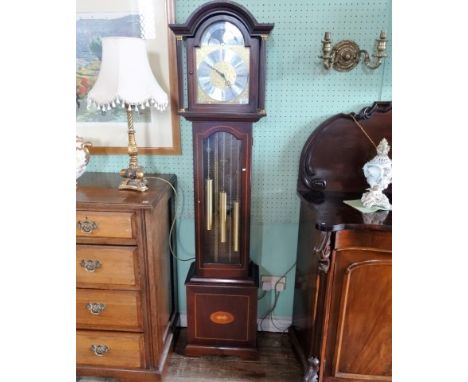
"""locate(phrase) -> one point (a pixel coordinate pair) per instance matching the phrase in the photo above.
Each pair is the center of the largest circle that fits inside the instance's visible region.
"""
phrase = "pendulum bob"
(235, 227)
(222, 216)
(209, 203)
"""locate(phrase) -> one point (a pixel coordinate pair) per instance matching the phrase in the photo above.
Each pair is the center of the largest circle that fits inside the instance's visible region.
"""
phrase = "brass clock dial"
(222, 65)
(223, 74)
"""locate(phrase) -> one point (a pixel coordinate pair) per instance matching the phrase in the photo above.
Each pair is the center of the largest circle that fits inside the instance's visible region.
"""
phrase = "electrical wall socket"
(268, 283)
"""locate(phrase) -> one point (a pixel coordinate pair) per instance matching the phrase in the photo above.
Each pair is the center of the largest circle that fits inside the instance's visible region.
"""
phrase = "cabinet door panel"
(361, 327)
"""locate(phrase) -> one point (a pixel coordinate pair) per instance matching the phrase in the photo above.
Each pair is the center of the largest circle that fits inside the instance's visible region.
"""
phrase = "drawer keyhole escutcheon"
(90, 265)
(95, 308)
(87, 226)
(100, 350)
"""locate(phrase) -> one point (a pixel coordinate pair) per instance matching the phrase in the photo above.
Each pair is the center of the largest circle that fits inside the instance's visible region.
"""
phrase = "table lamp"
(126, 80)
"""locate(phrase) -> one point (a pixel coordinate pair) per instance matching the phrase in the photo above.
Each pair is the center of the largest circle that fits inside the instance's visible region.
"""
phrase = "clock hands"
(226, 81)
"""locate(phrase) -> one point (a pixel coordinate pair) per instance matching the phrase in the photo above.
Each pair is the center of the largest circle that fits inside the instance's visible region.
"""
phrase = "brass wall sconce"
(345, 55)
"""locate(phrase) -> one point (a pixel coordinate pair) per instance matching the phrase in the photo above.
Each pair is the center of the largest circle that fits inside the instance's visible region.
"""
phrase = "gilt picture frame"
(157, 133)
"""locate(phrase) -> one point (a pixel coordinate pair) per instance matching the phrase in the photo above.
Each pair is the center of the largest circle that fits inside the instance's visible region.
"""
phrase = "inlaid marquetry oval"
(221, 317)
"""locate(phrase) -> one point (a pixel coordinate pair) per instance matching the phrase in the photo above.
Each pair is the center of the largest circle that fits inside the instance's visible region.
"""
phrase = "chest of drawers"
(126, 301)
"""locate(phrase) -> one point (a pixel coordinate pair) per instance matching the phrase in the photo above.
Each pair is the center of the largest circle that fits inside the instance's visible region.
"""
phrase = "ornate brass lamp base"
(134, 179)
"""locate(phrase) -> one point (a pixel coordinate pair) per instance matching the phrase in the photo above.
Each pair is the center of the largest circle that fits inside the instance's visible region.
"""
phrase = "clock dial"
(223, 74)
(222, 65)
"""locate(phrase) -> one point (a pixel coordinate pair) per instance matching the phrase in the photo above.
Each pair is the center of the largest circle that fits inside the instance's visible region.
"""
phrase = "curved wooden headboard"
(333, 156)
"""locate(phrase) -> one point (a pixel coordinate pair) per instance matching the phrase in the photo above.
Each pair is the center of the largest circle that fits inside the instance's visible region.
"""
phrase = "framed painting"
(157, 132)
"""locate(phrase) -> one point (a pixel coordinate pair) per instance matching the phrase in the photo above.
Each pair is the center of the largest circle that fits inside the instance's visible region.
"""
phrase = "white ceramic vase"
(378, 173)
(82, 155)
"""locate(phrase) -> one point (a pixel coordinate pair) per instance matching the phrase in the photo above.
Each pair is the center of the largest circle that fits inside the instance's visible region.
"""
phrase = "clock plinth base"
(222, 315)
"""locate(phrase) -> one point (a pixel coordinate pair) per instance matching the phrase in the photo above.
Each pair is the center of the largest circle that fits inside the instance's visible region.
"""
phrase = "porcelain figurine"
(378, 173)
(82, 155)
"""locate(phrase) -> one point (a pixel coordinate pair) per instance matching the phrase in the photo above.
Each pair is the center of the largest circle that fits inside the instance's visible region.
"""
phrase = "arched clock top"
(223, 48)
(221, 31)
(232, 27)
(221, 8)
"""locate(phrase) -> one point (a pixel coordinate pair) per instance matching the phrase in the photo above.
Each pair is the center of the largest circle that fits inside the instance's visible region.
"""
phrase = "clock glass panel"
(222, 64)
(222, 169)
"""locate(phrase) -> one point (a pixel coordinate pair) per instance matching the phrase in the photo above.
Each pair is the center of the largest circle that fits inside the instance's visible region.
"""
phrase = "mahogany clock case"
(222, 283)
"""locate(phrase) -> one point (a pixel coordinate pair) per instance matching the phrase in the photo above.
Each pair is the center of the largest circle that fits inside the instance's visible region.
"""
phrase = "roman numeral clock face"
(222, 63)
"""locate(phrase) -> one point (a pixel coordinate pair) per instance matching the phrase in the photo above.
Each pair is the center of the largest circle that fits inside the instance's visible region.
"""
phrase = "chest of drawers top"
(98, 189)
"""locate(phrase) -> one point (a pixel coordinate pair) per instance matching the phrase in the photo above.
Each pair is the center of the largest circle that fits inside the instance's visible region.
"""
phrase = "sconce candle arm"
(367, 60)
(327, 52)
(345, 55)
(380, 54)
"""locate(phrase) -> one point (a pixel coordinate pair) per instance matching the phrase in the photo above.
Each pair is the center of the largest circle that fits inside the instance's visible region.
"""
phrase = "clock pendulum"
(235, 210)
(223, 194)
(225, 50)
(216, 196)
(209, 190)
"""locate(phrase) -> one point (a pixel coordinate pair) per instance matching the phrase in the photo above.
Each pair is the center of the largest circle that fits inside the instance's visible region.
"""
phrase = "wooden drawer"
(105, 224)
(106, 266)
(100, 309)
(116, 349)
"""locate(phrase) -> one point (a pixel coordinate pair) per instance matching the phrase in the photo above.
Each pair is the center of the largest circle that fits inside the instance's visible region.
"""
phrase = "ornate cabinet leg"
(312, 372)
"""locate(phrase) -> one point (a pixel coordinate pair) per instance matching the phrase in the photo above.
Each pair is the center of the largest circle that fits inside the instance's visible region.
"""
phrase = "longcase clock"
(224, 49)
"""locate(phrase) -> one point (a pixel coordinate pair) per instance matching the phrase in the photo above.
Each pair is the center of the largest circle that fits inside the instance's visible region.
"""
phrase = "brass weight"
(222, 216)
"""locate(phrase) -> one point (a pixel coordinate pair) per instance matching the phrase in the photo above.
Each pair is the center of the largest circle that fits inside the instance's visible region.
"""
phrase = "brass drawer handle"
(100, 350)
(95, 308)
(90, 265)
(87, 226)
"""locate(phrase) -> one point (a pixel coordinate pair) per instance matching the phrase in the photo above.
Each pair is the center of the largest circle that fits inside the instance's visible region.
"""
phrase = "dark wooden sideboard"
(126, 297)
(342, 320)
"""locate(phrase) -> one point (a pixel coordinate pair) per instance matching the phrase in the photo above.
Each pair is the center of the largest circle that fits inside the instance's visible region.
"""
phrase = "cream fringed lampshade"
(126, 80)
(125, 77)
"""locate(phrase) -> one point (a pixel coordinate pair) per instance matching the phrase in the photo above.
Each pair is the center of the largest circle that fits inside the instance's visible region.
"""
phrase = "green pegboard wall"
(300, 95)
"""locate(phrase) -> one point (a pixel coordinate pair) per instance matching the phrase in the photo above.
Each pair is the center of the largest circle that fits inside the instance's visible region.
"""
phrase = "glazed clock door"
(222, 201)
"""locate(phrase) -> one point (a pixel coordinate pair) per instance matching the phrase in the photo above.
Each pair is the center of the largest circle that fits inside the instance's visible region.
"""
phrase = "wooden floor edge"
(129, 375)
(200, 350)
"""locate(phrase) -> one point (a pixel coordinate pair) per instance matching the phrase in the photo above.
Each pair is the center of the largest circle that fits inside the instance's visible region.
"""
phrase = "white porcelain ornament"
(82, 155)
(378, 173)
